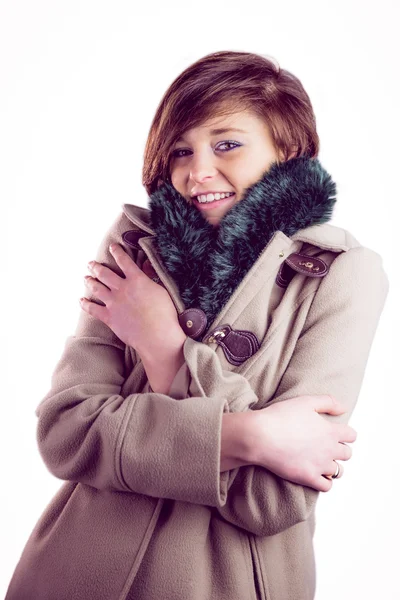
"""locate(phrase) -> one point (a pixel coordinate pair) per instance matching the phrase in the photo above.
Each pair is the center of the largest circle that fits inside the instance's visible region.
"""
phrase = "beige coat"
(144, 512)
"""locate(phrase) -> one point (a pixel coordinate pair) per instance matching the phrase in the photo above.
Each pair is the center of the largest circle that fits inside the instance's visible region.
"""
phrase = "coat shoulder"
(356, 257)
(331, 237)
(121, 223)
(355, 265)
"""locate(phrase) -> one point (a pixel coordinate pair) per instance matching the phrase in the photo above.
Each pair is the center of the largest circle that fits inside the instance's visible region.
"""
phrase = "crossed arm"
(350, 301)
(150, 444)
(162, 370)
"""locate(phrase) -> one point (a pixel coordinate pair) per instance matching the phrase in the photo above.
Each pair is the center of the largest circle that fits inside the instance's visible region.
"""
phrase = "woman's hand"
(138, 310)
(291, 439)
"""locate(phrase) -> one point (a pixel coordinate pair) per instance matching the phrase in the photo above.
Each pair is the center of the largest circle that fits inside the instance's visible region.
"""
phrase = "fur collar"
(207, 262)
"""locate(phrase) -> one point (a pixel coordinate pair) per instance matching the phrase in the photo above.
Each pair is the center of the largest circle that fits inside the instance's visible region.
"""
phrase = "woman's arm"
(150, 444)
(336, 341)
(272, 440)
(161, 367)
(143, 441)
(330, 356)
(161, 370)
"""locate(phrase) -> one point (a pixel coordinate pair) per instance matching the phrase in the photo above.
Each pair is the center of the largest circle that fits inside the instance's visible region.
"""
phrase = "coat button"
(193, 321)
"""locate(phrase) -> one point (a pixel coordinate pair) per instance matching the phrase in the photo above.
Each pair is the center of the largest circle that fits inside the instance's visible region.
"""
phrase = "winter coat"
(293, 304)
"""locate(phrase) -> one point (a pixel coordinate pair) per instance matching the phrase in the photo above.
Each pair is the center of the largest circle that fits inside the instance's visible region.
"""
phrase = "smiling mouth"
(213, 203)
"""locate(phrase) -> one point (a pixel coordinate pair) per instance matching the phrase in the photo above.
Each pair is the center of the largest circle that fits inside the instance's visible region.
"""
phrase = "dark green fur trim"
(208, 263)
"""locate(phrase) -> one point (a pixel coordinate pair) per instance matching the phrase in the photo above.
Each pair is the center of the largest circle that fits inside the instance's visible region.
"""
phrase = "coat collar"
(207, 263)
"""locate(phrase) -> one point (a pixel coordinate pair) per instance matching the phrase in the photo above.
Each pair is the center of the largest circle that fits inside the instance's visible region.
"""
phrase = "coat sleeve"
(145, 442)
(336, 340)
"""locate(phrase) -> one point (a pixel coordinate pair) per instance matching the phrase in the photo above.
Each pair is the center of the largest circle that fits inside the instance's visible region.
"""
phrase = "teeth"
(212, 197)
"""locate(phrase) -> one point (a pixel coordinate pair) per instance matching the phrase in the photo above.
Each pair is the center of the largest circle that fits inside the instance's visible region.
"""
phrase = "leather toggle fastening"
(193, 321)
(149, 270)
(132, 237)
(238, 344)
(300, 263)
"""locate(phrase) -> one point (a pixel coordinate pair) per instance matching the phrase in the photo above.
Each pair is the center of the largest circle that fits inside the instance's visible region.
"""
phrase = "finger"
(346, 433)
(124, 261)
(323, 484)
(95, 310)
(105, 275)
(325, 481)
(334, 465)
(325, 403)
(344, 452)
(98, 289)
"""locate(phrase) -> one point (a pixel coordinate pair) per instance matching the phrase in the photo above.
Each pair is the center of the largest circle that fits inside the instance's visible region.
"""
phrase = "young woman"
(202, 403)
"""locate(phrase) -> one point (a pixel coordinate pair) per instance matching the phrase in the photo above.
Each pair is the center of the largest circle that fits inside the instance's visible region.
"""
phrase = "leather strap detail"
(149, 270)
(132, 237)
(307, 265)
(300, 263)
(238, 344)
(193, 321)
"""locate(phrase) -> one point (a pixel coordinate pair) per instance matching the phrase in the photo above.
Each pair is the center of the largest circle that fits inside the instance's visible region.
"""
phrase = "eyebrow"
(220, 131)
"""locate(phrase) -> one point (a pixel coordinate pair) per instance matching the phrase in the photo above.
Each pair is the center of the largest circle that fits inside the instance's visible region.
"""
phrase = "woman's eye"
(176, 153)
(234, 144)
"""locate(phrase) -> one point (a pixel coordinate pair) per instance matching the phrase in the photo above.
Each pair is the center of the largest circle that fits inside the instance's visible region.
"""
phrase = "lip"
(211, 205)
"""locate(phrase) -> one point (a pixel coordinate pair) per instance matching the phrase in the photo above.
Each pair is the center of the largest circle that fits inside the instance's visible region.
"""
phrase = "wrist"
(163, 361)
(165, 348)
(235, 440)
(248, 423)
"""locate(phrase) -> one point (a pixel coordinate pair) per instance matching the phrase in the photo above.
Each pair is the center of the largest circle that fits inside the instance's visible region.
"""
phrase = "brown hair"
(225, 82)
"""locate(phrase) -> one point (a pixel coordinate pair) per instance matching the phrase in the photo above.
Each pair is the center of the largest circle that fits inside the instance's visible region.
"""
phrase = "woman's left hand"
(138, 310)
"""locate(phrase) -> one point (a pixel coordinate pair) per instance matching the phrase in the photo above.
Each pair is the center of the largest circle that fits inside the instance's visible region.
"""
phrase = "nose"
(202, 166)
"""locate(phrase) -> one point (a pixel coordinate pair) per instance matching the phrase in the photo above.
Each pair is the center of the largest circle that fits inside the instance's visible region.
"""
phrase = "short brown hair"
(225, 82)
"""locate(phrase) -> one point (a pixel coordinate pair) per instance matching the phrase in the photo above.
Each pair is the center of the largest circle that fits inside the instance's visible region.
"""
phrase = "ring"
(336, 475)
(338, 472)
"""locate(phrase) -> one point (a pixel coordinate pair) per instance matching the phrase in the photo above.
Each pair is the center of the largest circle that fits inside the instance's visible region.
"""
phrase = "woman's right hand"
(291, 439)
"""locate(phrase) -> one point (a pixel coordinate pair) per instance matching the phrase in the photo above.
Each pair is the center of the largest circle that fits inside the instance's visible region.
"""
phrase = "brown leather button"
(132, 237)
(193, 321)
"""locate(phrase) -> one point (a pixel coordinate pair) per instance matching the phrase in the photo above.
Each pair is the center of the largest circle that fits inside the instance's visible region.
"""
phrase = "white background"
(80, 82)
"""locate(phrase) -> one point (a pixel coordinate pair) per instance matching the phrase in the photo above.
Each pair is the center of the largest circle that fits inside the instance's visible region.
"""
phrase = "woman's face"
(216, 157)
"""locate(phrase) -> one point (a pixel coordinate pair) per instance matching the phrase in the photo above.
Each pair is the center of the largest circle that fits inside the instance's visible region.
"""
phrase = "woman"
(202, 404)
